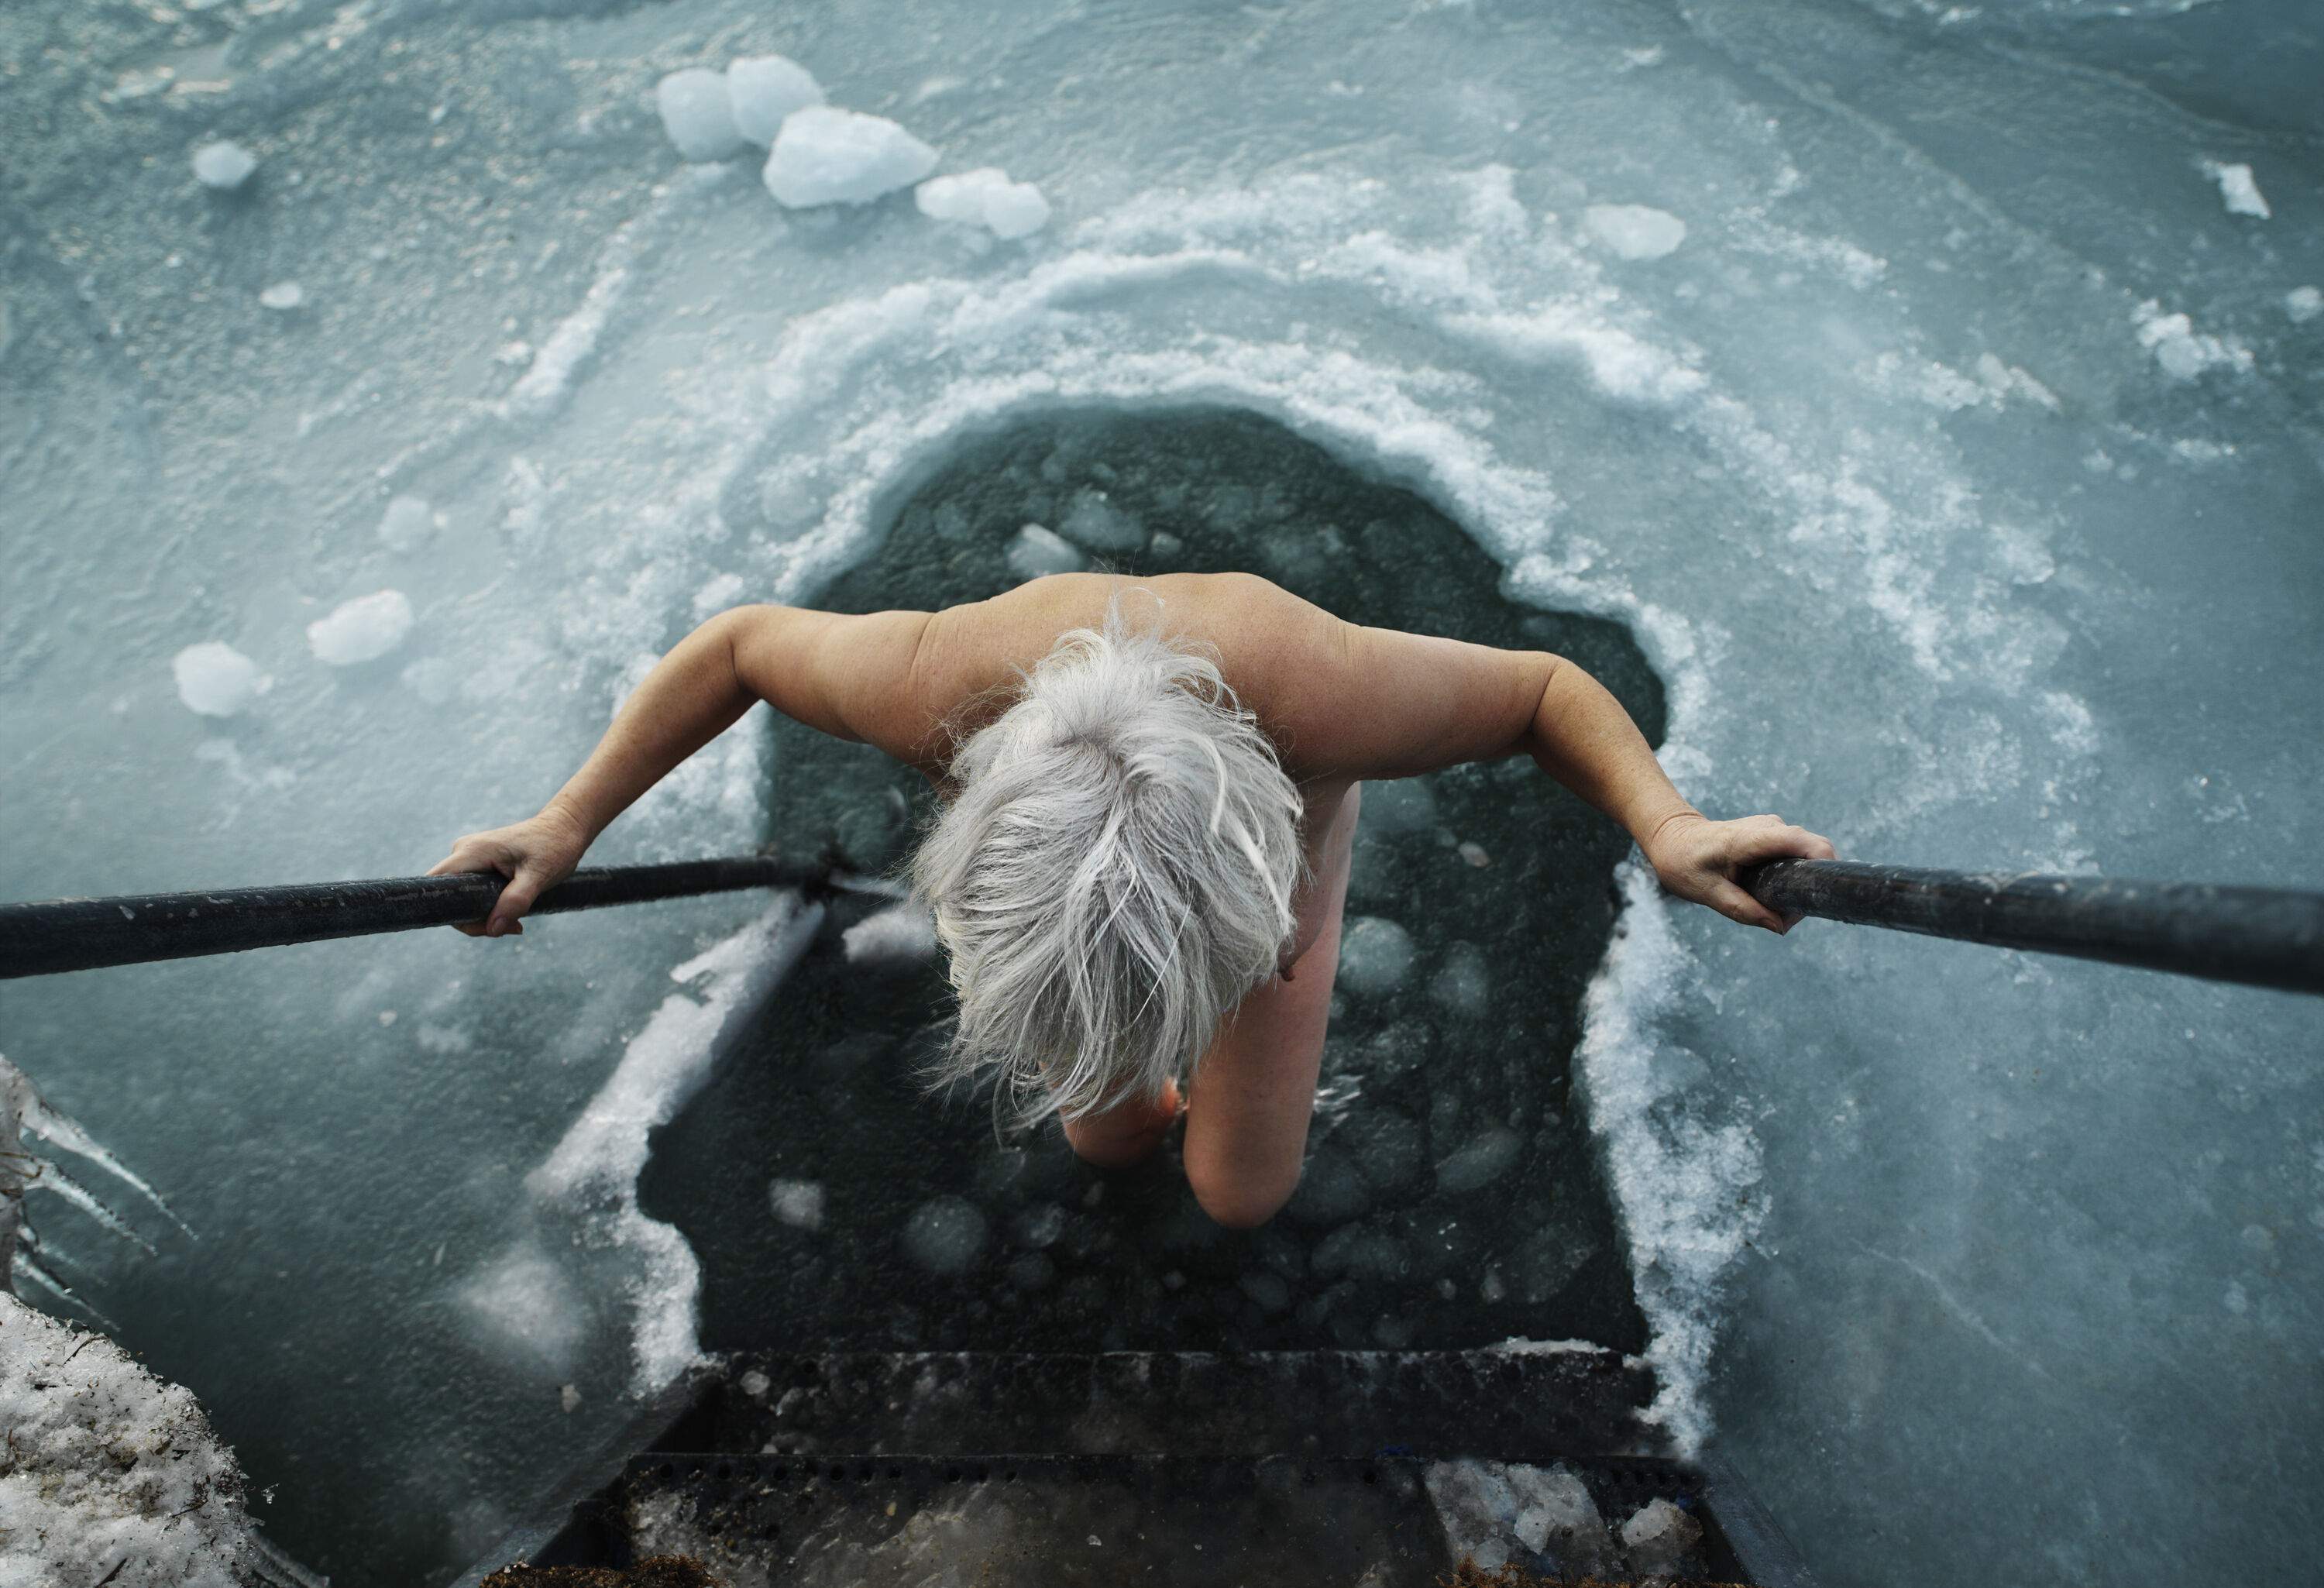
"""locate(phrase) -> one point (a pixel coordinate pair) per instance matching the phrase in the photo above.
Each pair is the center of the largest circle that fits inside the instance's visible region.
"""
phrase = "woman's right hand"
(533, 855)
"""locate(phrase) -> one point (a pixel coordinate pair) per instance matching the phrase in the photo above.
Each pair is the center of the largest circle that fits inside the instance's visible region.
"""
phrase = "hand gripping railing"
(83, 934)
(2266, 937)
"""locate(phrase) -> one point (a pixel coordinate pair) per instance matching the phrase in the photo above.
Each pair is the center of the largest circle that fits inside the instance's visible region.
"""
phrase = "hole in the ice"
(1463, 1050)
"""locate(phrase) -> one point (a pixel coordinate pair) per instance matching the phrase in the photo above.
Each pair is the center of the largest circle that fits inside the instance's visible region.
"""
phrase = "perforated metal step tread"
(1566, 1400)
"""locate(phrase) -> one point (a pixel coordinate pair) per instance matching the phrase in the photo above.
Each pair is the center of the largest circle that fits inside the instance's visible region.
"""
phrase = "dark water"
(1371, 1252)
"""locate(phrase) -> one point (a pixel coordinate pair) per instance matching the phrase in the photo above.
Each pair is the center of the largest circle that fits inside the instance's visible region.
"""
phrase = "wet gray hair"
(1115, 873)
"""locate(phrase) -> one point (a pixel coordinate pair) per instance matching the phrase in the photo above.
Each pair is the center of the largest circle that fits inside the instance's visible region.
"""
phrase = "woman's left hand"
(1697, 858)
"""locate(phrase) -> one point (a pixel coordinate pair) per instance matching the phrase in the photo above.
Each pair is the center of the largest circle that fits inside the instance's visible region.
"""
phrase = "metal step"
(1345, 1469)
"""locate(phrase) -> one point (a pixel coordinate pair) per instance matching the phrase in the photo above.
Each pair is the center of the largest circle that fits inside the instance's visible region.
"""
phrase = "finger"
(1779, 843)
(1736, 905)
(508, 910)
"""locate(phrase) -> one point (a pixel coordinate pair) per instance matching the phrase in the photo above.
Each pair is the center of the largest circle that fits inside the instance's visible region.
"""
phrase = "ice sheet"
(1953, 470)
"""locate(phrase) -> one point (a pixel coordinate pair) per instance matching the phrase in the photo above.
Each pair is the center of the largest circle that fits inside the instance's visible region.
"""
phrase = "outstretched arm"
(829, 670)
(1382, 703)
(1581, 736)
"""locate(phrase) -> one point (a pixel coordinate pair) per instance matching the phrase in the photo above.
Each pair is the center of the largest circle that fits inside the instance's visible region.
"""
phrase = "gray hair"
(1115, 873)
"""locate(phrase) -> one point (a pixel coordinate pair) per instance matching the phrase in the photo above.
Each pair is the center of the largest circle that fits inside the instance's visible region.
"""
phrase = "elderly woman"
(1149, 795)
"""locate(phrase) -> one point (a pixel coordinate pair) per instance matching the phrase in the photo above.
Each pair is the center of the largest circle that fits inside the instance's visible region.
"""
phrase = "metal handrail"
(2262, 937)
(84, 933)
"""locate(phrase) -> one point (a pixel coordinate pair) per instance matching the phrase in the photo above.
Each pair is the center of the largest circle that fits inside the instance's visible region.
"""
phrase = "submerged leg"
(1126, 1134)
(1255, 1090)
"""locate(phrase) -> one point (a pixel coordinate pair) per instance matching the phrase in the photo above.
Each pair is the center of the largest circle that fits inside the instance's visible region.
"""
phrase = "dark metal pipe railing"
(2263, 937)
(84, 934)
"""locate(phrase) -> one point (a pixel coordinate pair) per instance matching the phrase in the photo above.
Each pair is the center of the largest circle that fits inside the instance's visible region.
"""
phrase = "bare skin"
(1341, 703)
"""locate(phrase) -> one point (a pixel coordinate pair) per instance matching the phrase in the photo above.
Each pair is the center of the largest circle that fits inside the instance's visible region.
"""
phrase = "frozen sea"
(1918, 409)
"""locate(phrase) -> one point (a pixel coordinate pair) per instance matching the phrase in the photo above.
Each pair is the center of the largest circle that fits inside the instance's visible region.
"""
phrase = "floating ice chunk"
(2183, 352)
(283, 297)
(407, 523)
(798, 1203)
(697, 115)
(362, 630)
(224, 165)
(944, 1235)
(824, 155)
(217, 681)
(985, 197)
(1037, 551)
(2303, 304)
(113, 1475)
(1485, 1506)
(903, 934)
(764, 89)
(1658, 1538)
(1633, 231)
(1479, 1162)
(1375, 955)
(2237, 189)
(1095, 521)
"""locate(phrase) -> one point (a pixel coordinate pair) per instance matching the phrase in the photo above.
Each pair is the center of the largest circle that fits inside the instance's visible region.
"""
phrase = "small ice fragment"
(1481, 1162)
(2303, 304)
(797, 1203)
(902, 934)
(765, 89)
(1375, 955)
(754, 1384)
(407, 523)
(697, 115)
(1037, 551)
(2182, 350)
(362, 629)
(282, 296)
(1633, 231)
(2240, 193)
(1658, 1538)
(986, 197)
(570, 1396)
(944, 1235)
(217, 681)
(224, 165)
(1095, 521)
(1474, 854)
(824, 155)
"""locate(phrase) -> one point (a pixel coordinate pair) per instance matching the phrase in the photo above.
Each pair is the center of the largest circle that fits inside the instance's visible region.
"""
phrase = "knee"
(1242, 1204)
